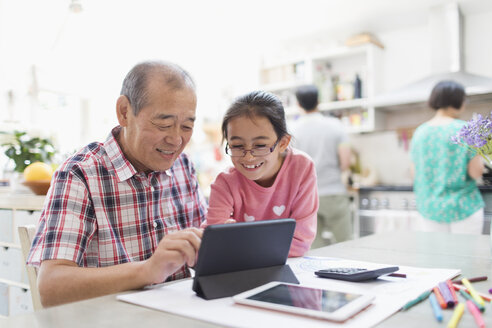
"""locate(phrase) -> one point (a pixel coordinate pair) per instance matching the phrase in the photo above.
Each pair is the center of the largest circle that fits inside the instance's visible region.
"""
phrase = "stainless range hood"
(447, 63)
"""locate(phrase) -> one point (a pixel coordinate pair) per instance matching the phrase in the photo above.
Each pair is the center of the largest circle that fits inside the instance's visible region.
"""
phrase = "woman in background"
(447, 196)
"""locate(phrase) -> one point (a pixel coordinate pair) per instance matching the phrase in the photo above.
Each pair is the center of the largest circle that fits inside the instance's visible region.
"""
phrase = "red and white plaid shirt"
(100, 211)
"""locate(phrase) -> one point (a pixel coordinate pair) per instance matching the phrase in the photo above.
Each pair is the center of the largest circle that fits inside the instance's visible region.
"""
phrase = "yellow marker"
(458, 312)
(473, 292)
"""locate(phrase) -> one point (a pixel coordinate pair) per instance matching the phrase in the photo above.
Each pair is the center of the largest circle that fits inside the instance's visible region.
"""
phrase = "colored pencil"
(474, 279)
(439, 298)
(475, 313)
(472, 291)
(453, 292)
(469, 298)
(457, 314)
(435, 307)
(482, 295)
(420, 298)
(446, 294)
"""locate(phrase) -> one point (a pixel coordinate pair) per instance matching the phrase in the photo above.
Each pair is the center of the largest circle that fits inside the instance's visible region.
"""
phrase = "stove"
(386, 208)
(393, 208)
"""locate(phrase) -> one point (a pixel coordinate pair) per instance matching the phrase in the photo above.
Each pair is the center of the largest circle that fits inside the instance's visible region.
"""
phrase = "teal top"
(443, 189)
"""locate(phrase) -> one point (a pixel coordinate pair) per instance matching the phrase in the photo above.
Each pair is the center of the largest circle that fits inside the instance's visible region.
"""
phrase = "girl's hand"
(230, 221)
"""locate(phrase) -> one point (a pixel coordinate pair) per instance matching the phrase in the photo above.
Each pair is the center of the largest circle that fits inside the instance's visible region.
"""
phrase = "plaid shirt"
(100, 211)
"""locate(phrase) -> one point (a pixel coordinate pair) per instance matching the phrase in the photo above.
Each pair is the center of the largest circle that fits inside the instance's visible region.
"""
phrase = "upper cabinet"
(347, 79)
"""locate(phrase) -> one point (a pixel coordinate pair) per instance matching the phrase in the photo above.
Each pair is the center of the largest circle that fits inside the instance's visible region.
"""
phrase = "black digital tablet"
(244, 245)
(239, 256)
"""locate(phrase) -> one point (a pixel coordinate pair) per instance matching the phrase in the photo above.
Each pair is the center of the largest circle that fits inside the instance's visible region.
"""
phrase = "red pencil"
(451, 289)
(439, 297)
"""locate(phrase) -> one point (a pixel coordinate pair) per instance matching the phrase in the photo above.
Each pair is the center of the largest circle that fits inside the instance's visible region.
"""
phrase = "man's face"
(154, 139)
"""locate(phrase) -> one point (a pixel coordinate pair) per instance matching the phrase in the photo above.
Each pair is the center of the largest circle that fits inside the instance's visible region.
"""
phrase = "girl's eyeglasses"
(256, 151)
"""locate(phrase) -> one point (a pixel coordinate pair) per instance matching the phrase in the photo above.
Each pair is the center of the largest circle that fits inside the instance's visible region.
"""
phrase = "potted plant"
(24, 150)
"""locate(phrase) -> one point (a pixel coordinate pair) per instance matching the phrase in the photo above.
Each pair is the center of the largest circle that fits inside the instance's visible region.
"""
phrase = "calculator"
(354, 274)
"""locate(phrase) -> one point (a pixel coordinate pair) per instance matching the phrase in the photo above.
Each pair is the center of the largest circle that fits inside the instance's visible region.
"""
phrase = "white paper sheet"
(391, 294)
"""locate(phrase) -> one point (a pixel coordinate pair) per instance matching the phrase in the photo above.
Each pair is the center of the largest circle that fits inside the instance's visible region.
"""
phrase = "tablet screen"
(303, 297)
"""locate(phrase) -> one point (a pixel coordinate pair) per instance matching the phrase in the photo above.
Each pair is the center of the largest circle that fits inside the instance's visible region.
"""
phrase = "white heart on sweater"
(279, 209)
(248, 218)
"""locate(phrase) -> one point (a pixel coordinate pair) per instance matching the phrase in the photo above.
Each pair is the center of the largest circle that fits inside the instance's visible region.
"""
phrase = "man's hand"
(173, 251)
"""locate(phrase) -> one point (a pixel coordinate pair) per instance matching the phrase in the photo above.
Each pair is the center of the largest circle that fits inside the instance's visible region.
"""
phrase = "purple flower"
(476, 134)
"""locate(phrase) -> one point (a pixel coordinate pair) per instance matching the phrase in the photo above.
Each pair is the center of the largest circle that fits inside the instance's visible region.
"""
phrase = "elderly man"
(125, 213)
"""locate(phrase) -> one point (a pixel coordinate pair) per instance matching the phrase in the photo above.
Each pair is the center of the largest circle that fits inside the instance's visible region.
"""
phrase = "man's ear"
(123, 110)
(284, 142)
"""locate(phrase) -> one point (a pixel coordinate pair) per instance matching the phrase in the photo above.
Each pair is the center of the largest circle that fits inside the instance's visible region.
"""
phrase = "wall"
(406, 55)
(384, 156)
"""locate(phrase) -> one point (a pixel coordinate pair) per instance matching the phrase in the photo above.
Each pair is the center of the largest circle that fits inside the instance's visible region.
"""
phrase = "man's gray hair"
(136, 82)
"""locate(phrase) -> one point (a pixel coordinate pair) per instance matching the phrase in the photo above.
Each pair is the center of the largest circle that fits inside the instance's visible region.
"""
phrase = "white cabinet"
(14, 300)
(12, 266)
(334, 72)
(15, 210)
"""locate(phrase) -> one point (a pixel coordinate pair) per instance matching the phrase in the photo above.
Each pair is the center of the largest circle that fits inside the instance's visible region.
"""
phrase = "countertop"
(19, 201)
(482, 188)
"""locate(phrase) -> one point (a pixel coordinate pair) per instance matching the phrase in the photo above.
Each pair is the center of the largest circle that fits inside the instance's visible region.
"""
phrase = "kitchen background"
(63, 63)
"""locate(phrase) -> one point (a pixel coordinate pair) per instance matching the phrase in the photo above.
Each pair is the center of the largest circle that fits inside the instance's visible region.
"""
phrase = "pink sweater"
(293, 195)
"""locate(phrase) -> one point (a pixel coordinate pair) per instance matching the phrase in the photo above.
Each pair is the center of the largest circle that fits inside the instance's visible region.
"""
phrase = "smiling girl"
(269, 179)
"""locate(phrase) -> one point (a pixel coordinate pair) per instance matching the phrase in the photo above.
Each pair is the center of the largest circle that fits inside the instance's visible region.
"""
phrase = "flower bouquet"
(476, 134)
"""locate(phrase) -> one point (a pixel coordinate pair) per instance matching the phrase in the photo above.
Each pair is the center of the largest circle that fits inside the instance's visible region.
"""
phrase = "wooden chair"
(26, 235)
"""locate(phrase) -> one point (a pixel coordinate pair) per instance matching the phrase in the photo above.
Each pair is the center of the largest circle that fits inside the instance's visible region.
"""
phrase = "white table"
(471, 254)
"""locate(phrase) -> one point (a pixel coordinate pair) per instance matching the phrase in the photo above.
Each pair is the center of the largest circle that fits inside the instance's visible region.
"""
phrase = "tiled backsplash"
(383, 155)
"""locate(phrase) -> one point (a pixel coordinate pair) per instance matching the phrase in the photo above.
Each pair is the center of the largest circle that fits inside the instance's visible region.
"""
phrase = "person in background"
(325, 140)
(269, 179)
(444, 173)
(125, 213)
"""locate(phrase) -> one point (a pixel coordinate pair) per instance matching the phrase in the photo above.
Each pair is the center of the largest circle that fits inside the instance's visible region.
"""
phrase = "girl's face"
(256, 133)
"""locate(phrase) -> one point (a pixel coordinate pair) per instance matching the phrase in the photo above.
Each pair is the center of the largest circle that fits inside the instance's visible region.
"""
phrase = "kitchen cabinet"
(334, 71)
(15, 210)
